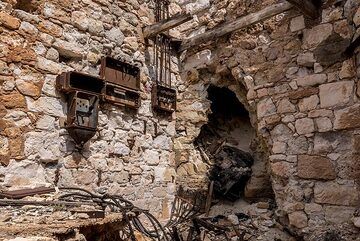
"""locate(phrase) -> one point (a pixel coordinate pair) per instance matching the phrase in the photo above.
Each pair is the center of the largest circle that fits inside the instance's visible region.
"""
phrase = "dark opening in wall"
(225, 142)
(30, 6)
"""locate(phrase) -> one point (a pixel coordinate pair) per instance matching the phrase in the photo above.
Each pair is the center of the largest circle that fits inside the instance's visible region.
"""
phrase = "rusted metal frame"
(8, 202)
(18, 194)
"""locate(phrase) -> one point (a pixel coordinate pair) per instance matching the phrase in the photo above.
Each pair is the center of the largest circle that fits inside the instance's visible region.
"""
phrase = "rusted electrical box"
(163, 95)
(122, 82)
(119, 84)
(163, 98)
(83, 95)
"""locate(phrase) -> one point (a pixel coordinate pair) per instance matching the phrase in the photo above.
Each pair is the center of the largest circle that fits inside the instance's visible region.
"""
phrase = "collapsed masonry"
(296, 72)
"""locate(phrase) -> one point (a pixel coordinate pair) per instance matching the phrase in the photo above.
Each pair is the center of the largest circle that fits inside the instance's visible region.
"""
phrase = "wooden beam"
(306, 7)
(236, 25)
(166, 24)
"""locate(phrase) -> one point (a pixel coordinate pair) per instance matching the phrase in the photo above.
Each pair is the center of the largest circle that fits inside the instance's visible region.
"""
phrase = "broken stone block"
(336, 194)
(347, 118)
(315, 167)
(80, 20)
(336, 94)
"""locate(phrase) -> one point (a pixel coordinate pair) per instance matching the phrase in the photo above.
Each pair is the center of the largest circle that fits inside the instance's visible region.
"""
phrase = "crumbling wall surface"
(302, 93)
(131, 153)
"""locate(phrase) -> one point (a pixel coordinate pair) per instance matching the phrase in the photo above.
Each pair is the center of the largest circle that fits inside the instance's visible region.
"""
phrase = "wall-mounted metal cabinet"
(163, 98)
(83, 95)
(122, 82)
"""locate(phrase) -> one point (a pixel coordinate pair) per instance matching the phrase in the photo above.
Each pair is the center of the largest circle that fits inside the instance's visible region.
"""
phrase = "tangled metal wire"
(135, 217)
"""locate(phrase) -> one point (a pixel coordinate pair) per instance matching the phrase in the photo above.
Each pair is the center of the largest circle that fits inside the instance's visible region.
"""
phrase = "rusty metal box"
(122, 96)
(71, 81)
(163, 98)
(119, 73)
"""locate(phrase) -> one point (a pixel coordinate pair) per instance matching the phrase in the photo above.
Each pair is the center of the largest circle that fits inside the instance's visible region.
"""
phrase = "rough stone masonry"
(301, 91)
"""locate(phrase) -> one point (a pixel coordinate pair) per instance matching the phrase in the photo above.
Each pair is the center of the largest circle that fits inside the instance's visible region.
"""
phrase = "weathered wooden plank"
(166, 24)
(306, 7)
(236, 24)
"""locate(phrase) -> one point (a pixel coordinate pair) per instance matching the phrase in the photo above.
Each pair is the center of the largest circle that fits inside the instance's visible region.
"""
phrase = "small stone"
(315, 167)
(336, 94)
(151, 157)
(96, 27)
(52, 54)
(281, 169)
(265, 107)
(115, 35)
(121, 149)
(304, 126)
(285, 106)
(29, 28)
(356, 220)
(356, 18)
(80, 20)
(15, 100)
(309, 103)
(9, 21)
(298, 219)
(50, 28)
(323, 124)
(311, 80)
(48, 105)
(67, 49)
(28, 88)
(279, 148)
(297, 23)
(306, 59)
(347, 69)
(46, 123)
(318, 68)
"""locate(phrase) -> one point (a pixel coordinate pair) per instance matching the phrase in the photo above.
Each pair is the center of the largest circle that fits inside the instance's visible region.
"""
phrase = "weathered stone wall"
(131, 154)
(303, 99)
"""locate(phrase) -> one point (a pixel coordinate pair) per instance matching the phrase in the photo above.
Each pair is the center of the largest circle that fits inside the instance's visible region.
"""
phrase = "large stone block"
(336, 194)
(347, 118)
(315, 167)
(311, 80)
(316, 35)
(339, 214)
(9, 21)
(336, 94)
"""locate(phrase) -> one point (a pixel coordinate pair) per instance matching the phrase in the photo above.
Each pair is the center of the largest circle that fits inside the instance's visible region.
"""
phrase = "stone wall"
(131, 153)
(303, 98)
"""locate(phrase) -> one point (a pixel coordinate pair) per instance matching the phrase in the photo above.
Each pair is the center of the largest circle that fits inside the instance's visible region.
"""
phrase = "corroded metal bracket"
(119, 84)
